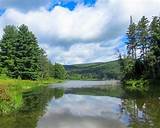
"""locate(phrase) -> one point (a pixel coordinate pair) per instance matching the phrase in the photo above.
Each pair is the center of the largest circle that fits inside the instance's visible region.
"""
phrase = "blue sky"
(70, 4)
(77, 31)
(2, 11)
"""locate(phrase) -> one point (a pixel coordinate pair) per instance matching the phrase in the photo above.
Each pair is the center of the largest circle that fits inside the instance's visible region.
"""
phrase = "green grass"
(11, 91)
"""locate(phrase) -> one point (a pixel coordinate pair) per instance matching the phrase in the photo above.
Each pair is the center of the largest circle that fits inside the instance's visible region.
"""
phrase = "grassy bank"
(11, 91)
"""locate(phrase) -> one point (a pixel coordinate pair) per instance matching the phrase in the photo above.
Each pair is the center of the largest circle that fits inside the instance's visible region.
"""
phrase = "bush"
(137, 85)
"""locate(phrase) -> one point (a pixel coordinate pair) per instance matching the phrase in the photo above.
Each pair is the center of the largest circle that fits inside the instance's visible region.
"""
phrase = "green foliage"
(7, 43)
(21, 57)
(45, 66)
(92, 71)
(10, 100)
(137, 85)
(142, 36)
(34, 103)
(26, 55)
(59, 71)
(145, 38)
(138, 67)
(132, 44)
(11, 91)
(74, 76)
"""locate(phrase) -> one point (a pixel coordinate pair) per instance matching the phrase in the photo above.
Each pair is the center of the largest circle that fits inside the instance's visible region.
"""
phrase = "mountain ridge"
(97, 70)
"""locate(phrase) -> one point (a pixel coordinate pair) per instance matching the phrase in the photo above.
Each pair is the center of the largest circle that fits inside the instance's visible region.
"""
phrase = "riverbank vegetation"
(34, 103)
(24, 66)
(141, 66)
(12, 90)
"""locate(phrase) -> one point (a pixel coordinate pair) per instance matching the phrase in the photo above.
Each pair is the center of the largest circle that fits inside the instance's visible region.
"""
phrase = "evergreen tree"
(132, 44)
(142, 36)
(154, 53)
(21, 57)
(27, 54)
(7, 50)
(146, 38)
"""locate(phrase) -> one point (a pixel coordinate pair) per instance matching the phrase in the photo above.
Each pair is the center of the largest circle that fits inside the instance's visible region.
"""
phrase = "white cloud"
(83, 30)
(84, 53)
(84, 23)
(97, 112)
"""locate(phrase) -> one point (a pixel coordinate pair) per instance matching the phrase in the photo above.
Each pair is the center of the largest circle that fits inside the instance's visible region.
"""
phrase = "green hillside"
(102, 70)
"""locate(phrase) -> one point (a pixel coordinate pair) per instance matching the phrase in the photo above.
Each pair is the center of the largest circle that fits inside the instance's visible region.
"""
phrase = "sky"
(77, 31)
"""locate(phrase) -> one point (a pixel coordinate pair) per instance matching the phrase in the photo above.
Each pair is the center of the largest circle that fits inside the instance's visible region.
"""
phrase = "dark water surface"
(85, 104)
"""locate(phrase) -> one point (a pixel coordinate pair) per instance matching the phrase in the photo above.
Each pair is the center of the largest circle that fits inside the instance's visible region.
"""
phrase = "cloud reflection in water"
(77, 111)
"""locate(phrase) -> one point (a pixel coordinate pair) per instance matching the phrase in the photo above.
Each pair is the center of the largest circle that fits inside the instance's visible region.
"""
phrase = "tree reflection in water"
(143, 112)
(33, 108)
(132, 110)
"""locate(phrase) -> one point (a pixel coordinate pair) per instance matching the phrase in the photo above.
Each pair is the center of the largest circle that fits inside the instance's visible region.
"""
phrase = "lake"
(85, 104)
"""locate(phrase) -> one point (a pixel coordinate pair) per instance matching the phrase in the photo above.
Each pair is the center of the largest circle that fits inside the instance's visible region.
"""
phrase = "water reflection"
(85, 107)
(85, 84)
(113, 91)
(144, 112)
(77, 111)
(33, 108)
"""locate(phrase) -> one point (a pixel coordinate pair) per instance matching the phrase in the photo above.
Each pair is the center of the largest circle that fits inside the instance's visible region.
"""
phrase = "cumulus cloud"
(84, 53)
(77, 36)
(83, 24)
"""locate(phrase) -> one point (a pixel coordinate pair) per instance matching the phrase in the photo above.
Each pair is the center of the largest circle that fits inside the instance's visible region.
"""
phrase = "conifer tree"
(21, 57)
(27, 54)
(154, 53)
(132, 44)
(146, 38)
(7, 50)
(142, 36)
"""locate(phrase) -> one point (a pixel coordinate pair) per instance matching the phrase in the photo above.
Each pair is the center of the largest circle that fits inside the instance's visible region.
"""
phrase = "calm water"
(85, 104)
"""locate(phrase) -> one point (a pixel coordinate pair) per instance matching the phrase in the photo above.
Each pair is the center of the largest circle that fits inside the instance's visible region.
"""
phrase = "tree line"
(143, 50)
(22, 58)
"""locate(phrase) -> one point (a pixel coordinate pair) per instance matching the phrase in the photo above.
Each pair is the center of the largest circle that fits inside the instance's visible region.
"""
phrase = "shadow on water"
(87, 107)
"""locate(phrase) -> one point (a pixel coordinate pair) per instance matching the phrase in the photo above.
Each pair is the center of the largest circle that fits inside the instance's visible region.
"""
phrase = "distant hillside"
(102, 70)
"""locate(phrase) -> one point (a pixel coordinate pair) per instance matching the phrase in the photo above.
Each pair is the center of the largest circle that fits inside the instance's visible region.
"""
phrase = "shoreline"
(11, 91)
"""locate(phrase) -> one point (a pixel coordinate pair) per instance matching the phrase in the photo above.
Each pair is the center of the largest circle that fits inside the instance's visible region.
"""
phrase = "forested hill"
(101, 70)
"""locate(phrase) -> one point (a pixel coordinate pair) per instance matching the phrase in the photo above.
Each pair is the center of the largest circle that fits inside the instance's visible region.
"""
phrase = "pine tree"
(146, 38)
(132, 44)
(21, 57)
(142, 36)
(27, 54)
(7, 50)
(154, 53)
